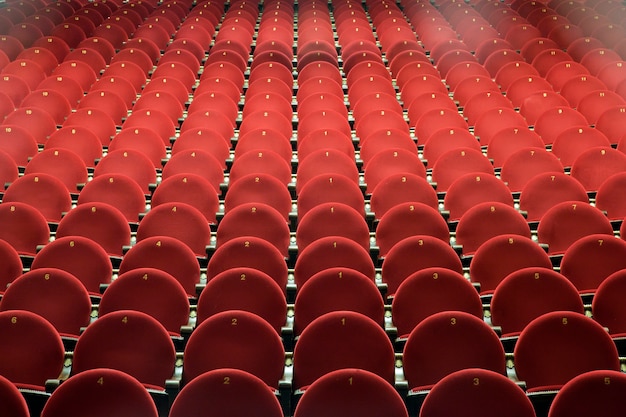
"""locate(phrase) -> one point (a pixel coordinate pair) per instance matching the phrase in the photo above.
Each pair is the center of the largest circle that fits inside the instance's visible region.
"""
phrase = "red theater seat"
(338, 340)
(56, 295)
(559, 346)
(246, 289)
(446, 342)
(493, 395)
(430, 291)
(107, 391)
(235, 339)
(151, 291)
(566, 222)
(244, 393)
(35, 346)
(588, 261)
(334, 395)
(528, 293)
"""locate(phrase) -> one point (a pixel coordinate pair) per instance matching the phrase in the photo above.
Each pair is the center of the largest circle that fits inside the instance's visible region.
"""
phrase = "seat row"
(73, 275)
(596, 169)
(552, 350)
(213, 392)
(332, 228)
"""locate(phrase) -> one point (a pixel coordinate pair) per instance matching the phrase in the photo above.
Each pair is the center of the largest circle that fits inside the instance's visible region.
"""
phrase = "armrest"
(541, 401)
(291, 292)
(36, 400)
(185, 331)
(415, 400)
(162, 400)
(383, 288)
(284, 392)
(172, 388)
(288, 337)
(52, 385)
(392, 332)
(285, 387)
(509, 343)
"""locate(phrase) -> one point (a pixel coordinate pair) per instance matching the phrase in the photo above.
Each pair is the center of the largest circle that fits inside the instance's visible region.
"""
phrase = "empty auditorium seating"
(325, 161)
(444, 140)
(196, 156)
(252, 252)
(292, 161)
(555, 120)
(495, 119)
(9, 170)
(144, 140)
(53, 102)
(426, 101)
(263, 161)
(94, 119)
(609, 123)
(268, 139)
(570, 143)
(547, 189)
